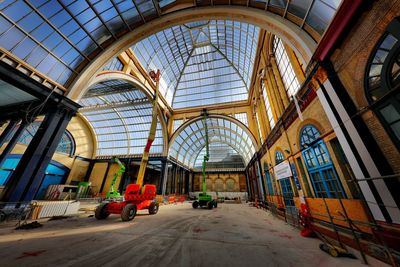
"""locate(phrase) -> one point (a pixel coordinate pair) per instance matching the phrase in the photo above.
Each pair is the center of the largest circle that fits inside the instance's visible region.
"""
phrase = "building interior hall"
(283, 113)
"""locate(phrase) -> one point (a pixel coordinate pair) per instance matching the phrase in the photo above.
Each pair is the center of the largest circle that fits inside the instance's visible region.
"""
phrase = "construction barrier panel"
(47, 209)
(341, 214)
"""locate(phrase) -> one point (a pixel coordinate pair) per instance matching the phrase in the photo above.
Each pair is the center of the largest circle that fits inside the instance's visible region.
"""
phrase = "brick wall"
(350, 61)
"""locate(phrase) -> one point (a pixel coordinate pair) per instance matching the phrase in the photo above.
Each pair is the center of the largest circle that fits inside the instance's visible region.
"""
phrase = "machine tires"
(195, 204)
(153, 208)
(215, 203)
(210, 205)
(101, 212)
(3, 216)
(128, 212)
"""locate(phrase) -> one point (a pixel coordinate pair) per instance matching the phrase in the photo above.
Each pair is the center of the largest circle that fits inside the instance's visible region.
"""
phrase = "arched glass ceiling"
(190, 141)
(120, 115)
(202, 63)
(59, 37)
(222, 156)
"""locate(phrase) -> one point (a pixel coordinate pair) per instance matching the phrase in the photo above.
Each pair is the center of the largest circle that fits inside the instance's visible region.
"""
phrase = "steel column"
(160, 189)
(6, 133)
(11, 144)
(28, 176)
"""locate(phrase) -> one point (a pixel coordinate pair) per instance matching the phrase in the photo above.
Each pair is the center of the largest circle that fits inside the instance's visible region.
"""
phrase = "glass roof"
(203, 62)
(222, 156)
(59, 37)
(190, 142)
(120, 115)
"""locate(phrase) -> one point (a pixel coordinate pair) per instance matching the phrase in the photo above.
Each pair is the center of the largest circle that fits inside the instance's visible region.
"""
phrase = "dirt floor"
(231, 235)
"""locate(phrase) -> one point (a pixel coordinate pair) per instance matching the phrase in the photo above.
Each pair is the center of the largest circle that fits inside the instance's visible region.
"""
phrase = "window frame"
(391, 94)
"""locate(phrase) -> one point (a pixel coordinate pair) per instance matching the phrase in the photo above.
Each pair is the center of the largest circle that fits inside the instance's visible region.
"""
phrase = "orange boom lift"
(137, 197)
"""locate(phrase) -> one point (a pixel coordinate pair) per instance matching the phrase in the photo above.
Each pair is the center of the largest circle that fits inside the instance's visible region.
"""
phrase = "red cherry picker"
(137, 196)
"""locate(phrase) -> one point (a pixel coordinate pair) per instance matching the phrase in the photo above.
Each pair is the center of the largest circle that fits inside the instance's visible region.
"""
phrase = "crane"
(137, 196)
(205, 200)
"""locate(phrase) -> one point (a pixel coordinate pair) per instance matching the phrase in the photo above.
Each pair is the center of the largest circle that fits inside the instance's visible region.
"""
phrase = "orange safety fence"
(277, 200)
(352, 209)
(181, 198)
(169, 199)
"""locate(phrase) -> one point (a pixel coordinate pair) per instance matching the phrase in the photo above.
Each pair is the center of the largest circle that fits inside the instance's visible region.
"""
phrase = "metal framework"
(202, 62)
(120, 115)
(58, 38)
(226, 137)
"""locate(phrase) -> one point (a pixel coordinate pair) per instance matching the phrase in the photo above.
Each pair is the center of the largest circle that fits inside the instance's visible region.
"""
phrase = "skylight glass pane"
(242, 117)
(222, 156)
(164, 3)
(321, 14)
(114, 64)
(203, 62)
(259, 128)
(190, 141)
(285, 67)
(120, 115)
(177, 124)
(63, 34)
(299, 7)
(268, 106)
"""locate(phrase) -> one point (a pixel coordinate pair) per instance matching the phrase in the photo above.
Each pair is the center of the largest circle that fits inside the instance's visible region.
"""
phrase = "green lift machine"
(113, 192)
(205, 200)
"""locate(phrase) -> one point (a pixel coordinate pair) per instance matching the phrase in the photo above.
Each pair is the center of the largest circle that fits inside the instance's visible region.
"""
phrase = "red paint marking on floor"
(198, 230)
(30, 254)
(287, 236)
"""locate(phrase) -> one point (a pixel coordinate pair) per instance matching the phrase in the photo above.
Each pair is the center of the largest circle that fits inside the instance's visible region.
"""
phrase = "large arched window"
(285, 67)
(382, 82)
(319, 164)
(309, 135)
(65, 146)
(268, 106)
(279, 157)
(268, 180)
(230, 185)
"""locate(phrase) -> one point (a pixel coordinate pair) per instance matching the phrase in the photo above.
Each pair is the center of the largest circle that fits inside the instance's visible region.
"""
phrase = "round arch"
(139, 85)
(212, 116)
(303, 124)
(290, 33)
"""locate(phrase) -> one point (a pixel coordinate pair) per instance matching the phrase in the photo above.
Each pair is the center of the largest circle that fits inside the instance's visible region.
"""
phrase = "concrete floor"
(231, 235)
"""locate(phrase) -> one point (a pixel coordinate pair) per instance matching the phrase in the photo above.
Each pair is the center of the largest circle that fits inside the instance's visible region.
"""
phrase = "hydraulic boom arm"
(143, 164)
(207, 155)
(112, 192)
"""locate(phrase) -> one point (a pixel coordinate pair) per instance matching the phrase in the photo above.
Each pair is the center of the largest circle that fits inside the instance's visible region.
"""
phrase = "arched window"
(319, 164)
(219, 185)
(309, 134)
(259, 127)
(268, 106)
(279, 157)
(65, 146)
(285, 67)
(268, 180)
(382, 80)
(230, 185)
(209, 184)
